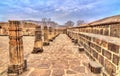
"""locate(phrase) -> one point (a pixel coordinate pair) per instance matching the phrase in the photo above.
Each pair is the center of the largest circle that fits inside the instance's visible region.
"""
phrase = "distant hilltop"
(43, 22)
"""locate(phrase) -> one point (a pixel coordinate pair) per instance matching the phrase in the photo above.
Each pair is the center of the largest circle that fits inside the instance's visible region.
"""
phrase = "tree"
(69, 23)
(79, 22)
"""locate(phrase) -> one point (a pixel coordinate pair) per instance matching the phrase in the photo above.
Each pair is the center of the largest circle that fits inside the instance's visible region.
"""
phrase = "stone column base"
(95, 67)
(46, 43)
(25, 65)
(81, 49)
(15, 70)
(37, 50)
(55, 37)
(51, 40)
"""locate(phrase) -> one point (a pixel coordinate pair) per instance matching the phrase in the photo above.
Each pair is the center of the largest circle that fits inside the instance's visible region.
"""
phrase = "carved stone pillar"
(38, 44)
(50, 33)
(55, 33)
(1, 31)
(45, 35)
(17, 65)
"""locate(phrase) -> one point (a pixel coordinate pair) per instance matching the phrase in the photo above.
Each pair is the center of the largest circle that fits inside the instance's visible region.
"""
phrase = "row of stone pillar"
(16, 54)
(48, 34)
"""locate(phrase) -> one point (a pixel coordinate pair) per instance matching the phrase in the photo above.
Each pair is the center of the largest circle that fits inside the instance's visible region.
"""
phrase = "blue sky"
(58, 10)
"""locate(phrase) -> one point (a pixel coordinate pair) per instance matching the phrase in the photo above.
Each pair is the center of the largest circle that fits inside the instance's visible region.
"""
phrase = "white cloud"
(30, 10)
(56, 9)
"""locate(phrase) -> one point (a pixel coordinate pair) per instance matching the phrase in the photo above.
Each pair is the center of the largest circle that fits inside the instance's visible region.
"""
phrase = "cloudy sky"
(58, 10)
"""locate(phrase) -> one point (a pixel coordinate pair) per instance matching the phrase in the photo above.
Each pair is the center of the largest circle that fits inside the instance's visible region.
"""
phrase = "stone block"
(37, 50)
(101, 31)
(115, 30)
(106, 32)
(116, 59)
(106, 53)
(98, 48)
(109, 67)
(98, 41)
(101, 59)
(95, 54)
(113, 47)
(95, 67)
(58, 72)
(104, 44)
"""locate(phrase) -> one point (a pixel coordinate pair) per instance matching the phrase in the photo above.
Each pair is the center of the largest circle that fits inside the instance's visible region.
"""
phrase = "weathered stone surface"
(80, 69)
(40, 72)
(44, 66)
(104, 44)
(60, 65)
(113, 47)
(98, 48)
(58, 72)
(95, 67)
(115, 30)
(38, 44)
(70, 72)
(74, 62)
(106, 53)
(95, 54)
(106, 32)
(109, 67)
(45, 32)
(116, 59)
(101, 59)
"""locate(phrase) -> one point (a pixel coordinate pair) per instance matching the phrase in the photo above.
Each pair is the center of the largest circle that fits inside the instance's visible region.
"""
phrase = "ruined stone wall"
(28, 28)
(102, 44)
(4, 28)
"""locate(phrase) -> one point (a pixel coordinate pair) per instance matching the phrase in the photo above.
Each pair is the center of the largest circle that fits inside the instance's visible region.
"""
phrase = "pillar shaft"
(45, 34)
(16, 48)
(50, 33)
(38, 44)
(16, 43)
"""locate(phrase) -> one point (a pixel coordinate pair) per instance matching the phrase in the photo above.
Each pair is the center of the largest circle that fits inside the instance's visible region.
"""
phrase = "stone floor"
(60, 58)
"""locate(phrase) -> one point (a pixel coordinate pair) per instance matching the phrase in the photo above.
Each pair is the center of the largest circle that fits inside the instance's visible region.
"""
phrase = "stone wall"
(101, 43)
(4, 28)
(28, 28)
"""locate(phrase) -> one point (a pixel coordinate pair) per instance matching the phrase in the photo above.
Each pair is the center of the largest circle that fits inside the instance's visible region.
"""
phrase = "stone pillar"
(54, 33)
(38, 44)
(16, 49)
(50, 33)
(1, 31)
(46, 35)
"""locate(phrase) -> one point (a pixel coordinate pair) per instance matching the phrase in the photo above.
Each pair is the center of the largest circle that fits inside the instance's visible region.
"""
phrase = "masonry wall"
(28, 28)
(4, 28)
(101, 43)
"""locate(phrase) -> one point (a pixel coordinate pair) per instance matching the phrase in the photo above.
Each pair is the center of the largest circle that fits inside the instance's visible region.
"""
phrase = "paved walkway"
(60, 58)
